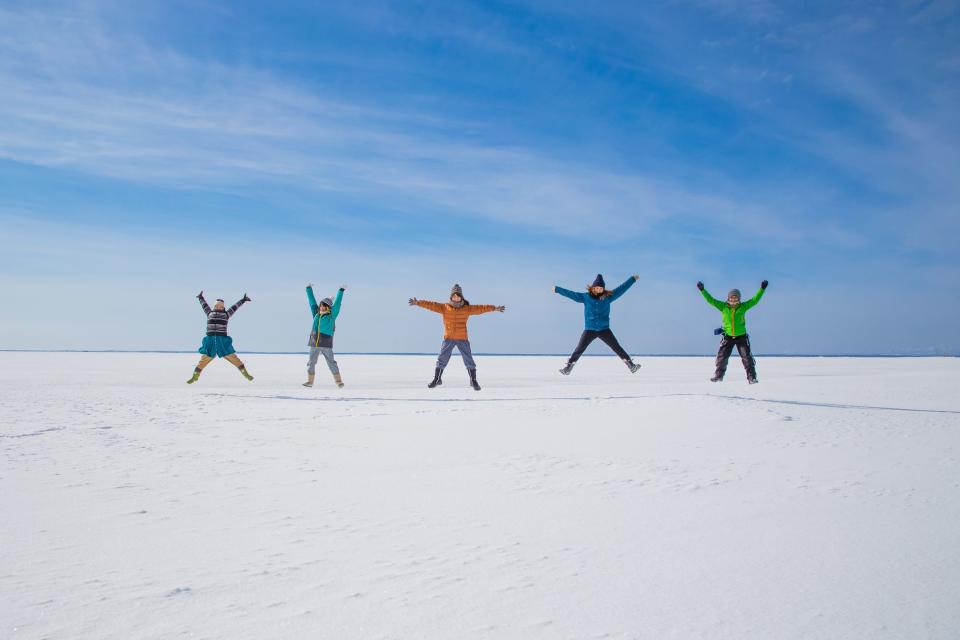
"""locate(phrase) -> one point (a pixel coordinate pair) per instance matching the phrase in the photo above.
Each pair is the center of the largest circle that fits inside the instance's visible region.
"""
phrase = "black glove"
(200, 295)
(245, 298)
(763, 285)
(700, 286)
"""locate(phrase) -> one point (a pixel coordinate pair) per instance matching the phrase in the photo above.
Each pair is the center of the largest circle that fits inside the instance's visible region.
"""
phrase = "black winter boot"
(436, 378)
(567, 368)
(473, 379)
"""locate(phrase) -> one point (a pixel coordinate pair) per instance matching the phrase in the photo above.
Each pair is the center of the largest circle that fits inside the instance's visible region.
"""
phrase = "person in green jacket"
(321, 334)
(734, 330)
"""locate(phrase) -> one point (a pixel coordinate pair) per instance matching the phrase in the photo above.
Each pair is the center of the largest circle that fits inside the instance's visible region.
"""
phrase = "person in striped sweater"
(217, 344)
(455, 314)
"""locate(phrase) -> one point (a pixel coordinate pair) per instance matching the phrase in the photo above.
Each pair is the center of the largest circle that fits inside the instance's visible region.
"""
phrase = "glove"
(200, 295)
(343, 287)
(763, 285)
(636, 277)
(412, 302)
(700, 286)
(245, 298)
(501, 309)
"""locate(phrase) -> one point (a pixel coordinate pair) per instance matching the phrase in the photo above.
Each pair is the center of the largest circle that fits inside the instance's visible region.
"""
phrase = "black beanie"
(599, 282)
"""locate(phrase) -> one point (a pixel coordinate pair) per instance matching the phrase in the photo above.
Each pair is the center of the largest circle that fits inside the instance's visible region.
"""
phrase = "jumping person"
(321, 334)
(455, 313)
(734, 330)
(596, 319)
(217, 344)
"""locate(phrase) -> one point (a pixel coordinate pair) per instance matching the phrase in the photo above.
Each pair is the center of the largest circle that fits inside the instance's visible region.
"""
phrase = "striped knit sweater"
(217, 320)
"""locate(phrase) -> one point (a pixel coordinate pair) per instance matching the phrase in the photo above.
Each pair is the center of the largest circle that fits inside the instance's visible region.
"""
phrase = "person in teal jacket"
(596, 302)
(734, 330)
(321, 334)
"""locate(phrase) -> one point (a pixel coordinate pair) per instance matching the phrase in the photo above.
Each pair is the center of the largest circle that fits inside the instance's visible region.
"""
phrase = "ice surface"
(822, 503)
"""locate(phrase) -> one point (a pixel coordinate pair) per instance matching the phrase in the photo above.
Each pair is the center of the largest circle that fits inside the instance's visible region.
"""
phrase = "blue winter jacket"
(596, 311)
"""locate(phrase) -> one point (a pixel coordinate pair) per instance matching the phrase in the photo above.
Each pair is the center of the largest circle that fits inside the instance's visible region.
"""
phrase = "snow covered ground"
(822, 503)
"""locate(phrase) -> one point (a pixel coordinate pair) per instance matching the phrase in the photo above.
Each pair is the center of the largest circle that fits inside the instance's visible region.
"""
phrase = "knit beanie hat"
(734, 292)
(327, 301)
(599, 282)
(456, 290)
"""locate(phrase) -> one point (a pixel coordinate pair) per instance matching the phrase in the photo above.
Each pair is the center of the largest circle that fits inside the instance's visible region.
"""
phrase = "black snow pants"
(606, 335)
(742, 343)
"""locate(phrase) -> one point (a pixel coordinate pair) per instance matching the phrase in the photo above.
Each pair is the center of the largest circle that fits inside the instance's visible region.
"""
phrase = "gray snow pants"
(446, 350)
(327, 355)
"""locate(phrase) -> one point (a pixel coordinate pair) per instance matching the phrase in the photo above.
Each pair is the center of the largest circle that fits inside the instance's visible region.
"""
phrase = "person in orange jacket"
(455, 314)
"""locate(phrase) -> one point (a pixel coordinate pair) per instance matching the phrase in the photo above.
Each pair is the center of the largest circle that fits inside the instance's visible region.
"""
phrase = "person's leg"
(235, 361)
(332, 364)
(204, 361)
(312, 366)
(611, 341)
(463, 346)
(585, 339)
(723, 355)
(446, 350)
(746, 357)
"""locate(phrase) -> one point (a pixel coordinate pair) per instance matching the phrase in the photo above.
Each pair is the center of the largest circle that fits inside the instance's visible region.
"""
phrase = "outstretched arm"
(576, 296)
(436, 307)
(239, 303)
(477, 309)
(203, 303)
(622, 289)
(752, 302)
(335, 311)
(311, 300)
(713, 302)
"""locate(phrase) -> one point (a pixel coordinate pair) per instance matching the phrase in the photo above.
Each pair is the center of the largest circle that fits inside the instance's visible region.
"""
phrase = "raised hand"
(763, 285)
(245, 298)
(200, 295)
(501, 309)
(309, 285)
(343, 287)
(636, 277)
(700, 285)
(412, 302)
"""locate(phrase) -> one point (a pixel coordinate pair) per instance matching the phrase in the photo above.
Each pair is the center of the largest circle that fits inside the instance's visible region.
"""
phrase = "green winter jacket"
(734, 318)
(323, 323)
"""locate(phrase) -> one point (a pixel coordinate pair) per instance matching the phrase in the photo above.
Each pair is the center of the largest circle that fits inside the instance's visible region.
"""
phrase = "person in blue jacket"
(596, 319)
(321, 334)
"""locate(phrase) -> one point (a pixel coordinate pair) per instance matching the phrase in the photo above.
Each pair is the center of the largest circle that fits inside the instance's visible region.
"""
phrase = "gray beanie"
(456, 290)
(734, 292)
(327, 301)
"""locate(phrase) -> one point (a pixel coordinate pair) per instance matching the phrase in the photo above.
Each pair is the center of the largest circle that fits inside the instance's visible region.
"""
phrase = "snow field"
(822, 503)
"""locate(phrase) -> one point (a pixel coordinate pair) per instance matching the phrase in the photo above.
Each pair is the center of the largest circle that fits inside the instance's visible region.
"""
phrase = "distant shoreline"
(512, 355)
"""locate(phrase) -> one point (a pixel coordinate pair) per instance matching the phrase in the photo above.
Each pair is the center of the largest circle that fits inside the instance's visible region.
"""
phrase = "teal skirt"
(217, 346)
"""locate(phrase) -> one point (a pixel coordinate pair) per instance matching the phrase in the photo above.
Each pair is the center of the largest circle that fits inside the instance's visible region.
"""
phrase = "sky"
(150, 150)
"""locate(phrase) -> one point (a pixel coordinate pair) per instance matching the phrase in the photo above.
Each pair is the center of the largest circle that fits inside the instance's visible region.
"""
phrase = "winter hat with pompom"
(598, 282)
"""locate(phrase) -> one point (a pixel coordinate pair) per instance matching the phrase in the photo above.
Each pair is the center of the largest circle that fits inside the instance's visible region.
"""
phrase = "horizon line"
(519, 355)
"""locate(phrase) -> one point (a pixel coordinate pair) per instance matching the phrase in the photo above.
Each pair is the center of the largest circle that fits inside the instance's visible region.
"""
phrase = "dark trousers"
(606, 335)
(742, 343)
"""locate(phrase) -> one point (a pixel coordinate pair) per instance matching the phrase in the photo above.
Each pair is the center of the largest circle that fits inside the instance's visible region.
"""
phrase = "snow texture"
(822, 503)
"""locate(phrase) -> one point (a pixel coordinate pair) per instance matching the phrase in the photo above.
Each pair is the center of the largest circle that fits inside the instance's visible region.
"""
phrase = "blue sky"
(148, 150)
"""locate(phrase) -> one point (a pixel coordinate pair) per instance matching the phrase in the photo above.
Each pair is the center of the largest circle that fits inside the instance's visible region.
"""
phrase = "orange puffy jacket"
(455, 319)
